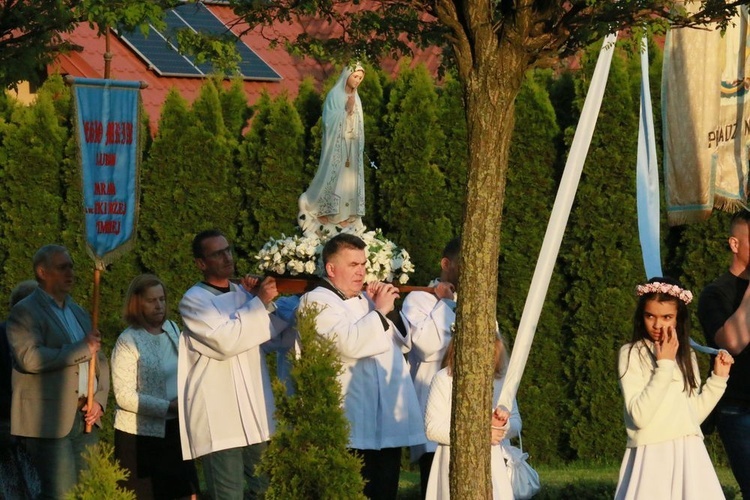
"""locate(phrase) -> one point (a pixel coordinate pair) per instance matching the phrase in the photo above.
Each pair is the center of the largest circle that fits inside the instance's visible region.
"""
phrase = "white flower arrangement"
(295, 255)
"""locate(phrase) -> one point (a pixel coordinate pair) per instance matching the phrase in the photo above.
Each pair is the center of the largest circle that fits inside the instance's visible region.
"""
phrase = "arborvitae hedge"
(451, 155)
(33, 196)
(602, 261)
(531, 185)
(234, 109)
(186, 187)
(309, 105)
(413, 195)
(371, 92)
(207, 161)
(271, 172)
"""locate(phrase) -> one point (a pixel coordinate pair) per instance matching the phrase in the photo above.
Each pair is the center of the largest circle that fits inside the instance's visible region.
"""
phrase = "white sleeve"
(642, 389)
(223, 326)
(437, 418)
(710, 393)
(354, 339)
(429, 322)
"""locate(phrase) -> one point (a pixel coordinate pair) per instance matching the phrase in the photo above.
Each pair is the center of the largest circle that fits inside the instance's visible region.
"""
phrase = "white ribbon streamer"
(647, 177)
(557, 223)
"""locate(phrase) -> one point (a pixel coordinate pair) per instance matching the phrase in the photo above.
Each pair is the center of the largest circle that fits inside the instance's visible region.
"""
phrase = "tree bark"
(491, 79)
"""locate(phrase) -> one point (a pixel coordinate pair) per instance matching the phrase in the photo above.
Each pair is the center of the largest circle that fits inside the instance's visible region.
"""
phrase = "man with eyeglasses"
(224, 391)
(52, 341)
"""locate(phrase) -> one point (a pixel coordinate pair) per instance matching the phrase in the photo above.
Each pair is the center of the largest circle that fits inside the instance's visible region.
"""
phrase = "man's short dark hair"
(741, 216)
(201, 237)
(43, 256)
(339, 242)
(452, 249)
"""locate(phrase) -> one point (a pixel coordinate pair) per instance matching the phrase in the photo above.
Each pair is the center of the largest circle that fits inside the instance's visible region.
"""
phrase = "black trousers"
(425, 465)
(380, 470)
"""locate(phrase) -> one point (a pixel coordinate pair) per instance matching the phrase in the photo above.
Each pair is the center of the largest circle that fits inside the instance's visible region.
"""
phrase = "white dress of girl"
(665, 456)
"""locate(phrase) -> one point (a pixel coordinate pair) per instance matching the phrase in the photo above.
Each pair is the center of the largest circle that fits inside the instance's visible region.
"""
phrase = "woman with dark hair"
(144, 377)
(664, 403)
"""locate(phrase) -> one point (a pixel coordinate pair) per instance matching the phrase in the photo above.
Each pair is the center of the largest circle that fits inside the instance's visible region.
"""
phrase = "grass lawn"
(574, 482)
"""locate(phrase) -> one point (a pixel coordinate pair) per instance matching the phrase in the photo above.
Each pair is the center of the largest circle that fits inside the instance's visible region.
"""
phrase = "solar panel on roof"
(164, 58)
(203, 20)
(160, 55)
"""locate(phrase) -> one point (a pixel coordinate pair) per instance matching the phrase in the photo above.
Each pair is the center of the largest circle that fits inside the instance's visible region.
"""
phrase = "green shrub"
(308, 456)
(100, 479)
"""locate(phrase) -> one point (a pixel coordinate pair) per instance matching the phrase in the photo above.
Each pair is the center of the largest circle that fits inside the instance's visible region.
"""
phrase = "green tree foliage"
(309, 105)
(525, 216)
(452, 154)
(271, 170)
(34, 141)
(31, 36)
(100, 479)
(371, 92)
(602, 261)
(234, 108)
(306, 459)
(249, 172)
(407, 160)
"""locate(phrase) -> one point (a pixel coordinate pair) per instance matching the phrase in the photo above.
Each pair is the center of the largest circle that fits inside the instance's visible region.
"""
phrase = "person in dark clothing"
(17, 476)
(724, 313)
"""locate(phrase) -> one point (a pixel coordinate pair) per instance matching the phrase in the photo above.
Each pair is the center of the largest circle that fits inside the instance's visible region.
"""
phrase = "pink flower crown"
(657, 287)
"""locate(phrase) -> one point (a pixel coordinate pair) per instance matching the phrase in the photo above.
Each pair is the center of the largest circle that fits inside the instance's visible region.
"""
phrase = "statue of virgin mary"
(335, 200)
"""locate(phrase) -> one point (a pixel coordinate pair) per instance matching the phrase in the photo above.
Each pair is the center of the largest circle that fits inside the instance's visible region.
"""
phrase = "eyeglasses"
(219, 253)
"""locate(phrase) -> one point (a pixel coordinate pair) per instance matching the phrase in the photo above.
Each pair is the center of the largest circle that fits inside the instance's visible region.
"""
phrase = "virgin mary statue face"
(355, 79)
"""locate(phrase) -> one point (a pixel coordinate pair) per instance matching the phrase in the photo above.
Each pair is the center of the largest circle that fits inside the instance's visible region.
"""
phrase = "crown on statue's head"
(356, 65)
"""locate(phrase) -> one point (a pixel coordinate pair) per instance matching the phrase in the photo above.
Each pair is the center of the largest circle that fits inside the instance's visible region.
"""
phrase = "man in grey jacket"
(52, 341)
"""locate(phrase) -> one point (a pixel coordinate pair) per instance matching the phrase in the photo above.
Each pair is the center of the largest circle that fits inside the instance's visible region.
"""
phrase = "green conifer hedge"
(207, 166)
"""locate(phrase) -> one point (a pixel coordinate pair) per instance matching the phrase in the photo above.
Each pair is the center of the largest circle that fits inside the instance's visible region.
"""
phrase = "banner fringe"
(730, 205)
(687, 217)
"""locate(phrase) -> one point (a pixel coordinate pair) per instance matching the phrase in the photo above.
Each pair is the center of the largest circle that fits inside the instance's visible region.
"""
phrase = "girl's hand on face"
(723, 363)
(667, 346)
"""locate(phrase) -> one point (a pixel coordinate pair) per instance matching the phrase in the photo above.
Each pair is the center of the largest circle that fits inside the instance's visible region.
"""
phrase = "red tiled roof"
(127, 65)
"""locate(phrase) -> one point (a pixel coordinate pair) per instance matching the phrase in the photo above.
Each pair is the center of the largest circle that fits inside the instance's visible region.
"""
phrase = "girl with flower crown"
(664, 402)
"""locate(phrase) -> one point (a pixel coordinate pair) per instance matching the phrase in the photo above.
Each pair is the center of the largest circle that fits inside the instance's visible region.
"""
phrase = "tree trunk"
(491, 79)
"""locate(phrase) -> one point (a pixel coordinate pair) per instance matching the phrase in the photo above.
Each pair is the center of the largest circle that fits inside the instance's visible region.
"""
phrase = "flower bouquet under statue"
(300, 256)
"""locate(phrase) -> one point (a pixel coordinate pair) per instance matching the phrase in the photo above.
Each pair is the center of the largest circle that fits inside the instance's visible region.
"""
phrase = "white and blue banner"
(107, 121)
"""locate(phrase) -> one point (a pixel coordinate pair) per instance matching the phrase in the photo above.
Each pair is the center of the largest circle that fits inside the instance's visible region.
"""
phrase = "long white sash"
(556, 226)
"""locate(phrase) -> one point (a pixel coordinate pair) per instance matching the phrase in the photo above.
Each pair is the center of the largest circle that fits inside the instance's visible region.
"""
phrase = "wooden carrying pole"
(297, 285)
(94, 326)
